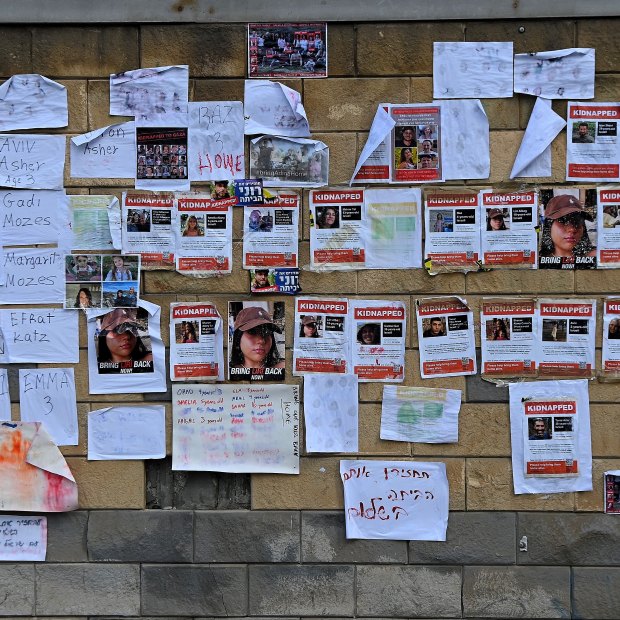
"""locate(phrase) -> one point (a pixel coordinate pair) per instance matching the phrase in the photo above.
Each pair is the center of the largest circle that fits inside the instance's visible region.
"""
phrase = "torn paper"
(95, 222)
(373, 165)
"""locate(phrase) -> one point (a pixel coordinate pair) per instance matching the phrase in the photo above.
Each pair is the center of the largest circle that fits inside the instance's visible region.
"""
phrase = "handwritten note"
(216, 147)
(5, 398)
(235, 428)
(31, 161)
(118, 433)
(47, 395)
(32, 276)
(23, 538)
(39, 335)
(109, 151)
(395, 500)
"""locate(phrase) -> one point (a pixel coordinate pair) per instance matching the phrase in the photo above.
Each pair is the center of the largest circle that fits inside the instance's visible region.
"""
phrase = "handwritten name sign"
(5, 398)
(216, 141)
(48, 395)
(395, 500)
(234, 428)
(23, 538)
(30, 161)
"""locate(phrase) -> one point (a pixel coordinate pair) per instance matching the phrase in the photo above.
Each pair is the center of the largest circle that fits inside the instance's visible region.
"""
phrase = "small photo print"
(187, 332)
(554, 330)
(498, 328)
(82, 268)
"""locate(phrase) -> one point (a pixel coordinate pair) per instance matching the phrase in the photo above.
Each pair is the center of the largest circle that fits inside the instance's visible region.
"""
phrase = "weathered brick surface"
(596, 592)
(15, 51)
(301, 590)
(66, 537)
(600, 34)
(17, 592)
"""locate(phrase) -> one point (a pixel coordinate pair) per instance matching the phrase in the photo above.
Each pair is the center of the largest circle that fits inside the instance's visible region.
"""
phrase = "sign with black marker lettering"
(39, 335)
(5, 399)
(47, 395)
(31, 161)
(23, 538)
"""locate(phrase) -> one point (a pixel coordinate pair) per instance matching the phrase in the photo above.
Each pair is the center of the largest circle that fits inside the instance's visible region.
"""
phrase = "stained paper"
(32, 101)
(123, 433)
(331, 413)
(47, 395)
(425, 415)
(236, 428)
(95, 222)
(472, 70)
(106, 152)
(395, 500)
(23, 538)
(36, 477)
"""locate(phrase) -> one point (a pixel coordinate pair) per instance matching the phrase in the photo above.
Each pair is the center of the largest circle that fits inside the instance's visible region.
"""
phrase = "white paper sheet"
(5, 397)
(39, 335)
(32, 161)
(32, 101)
(95, 222)
(559, 74)
(275, 109)
(215, 143)
(32, 276)
(534, 156)
(472, 70)
(373, 165)
(36, 216)
(23, 538)
(425, 415)
(331, 413)
(144, 93)
(395, 500)
(123, 433)
(465, 139)
(106, 152)
(48, 395)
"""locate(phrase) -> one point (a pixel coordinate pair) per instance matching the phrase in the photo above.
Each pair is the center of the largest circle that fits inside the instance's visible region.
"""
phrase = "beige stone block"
(15, 50)
(210, 50)
(338, 283)
(342, 155)
(341, 104)
(592, 501)
(606, 87)
(370, 443)
(489, 487)
(521, 282)
(109, 484)
(84, 51)
(77, 106)
(218, 90)
(99, 106)
(81, 449)
(421, 89)
(605, 444)
(599, 282)
(484, 430)
(601, 34)
(603, 392)
(537, 35)
(401, 48)
(502, 113)
(413, 281)
(341, 50)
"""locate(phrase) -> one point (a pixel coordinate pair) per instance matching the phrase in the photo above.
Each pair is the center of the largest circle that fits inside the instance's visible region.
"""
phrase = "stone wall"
(273, 545)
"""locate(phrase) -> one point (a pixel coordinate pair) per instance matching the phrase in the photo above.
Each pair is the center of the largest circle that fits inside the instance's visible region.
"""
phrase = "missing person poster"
(196, 342)
(161, 157)
(271, 231)
(446, 337)
(147, 228)
(567, 335)
(452, 225)
(592, 147)
(321, 336)
(509, 338)
(550, 436)
(203, 231)
(608, 228)
(125, 350)
(279, 280)
(256, 337)
(509, 221)
(568, 236)
(416, 143)
(378, 333)
(610, 370)
(612, 491)
(336, 229)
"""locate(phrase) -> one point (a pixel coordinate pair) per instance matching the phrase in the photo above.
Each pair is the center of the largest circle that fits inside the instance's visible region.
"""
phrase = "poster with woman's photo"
(509, 338)
(568, 235)
(125, 350)
(256, 337)
(203, 232)
(416, 143)
(161, 158)
(337, 229)
(196, 342)
(446, 337)
(452, 223)
(321, 336)
(508, 229)
(608, 228)
(147, 228)
(271, 231)
(566, 334)
(289, 162)
(610, 370)
(378, 333)
(101, 281)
